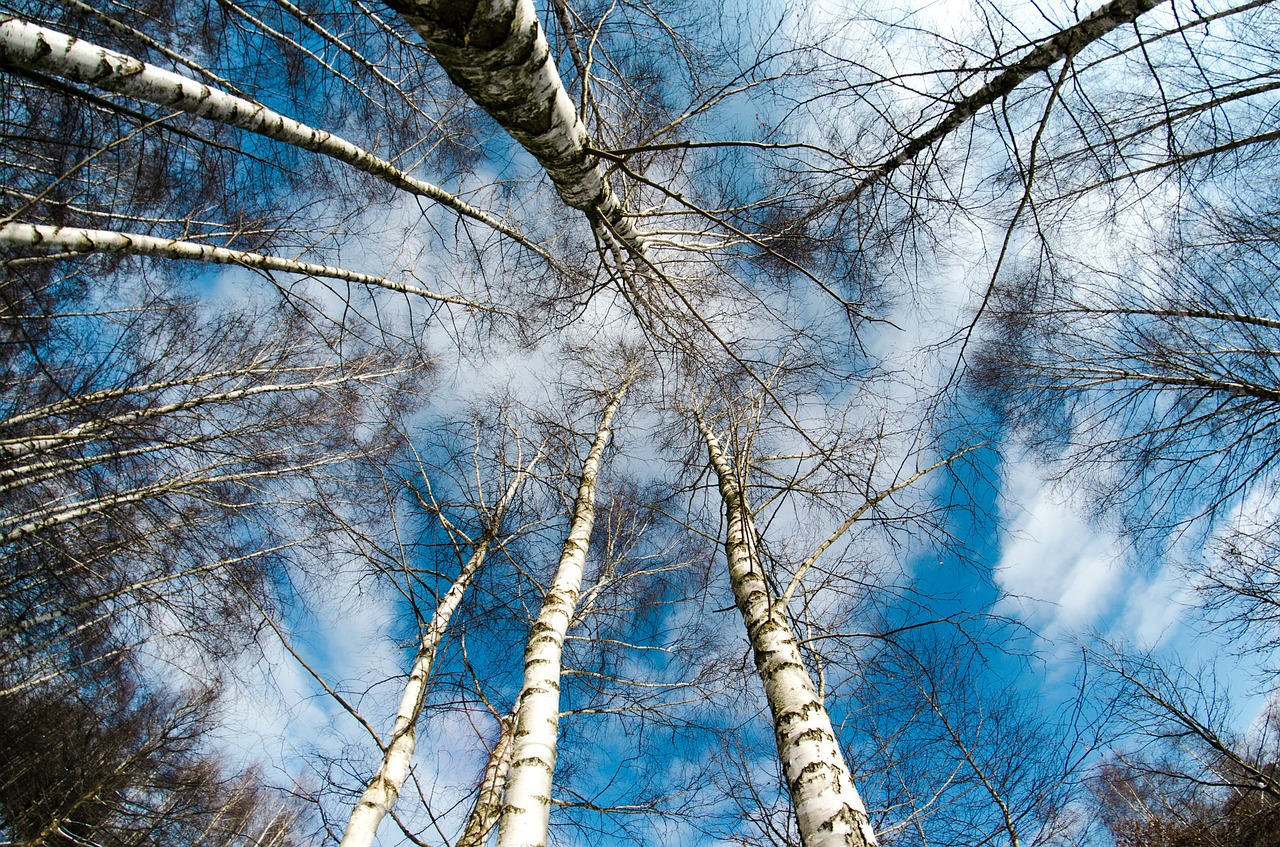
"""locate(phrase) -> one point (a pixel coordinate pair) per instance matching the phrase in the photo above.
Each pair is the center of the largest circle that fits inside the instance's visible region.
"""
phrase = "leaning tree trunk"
(1064, 44)
(30, 47)
(381, 793)
(39, 238)
(526, 806)
(497, 53)
(829, 811)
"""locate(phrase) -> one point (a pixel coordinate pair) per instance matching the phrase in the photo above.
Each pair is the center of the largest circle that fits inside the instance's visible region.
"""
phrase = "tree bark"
(16, 527)
(69, 239)
(18, 447)
(381, 792)
(526, 805)
(484, 814)
(497, 53)
(1062, 45)
(829, 810)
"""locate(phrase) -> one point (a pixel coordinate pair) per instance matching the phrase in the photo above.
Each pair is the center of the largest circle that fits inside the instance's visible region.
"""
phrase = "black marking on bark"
(807, 773)
(782, 666)
(798, 714)
(43, 48)
(847, 815)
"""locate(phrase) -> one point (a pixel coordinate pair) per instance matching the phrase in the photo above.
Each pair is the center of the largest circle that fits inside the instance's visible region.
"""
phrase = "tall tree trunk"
(16, 527)
(526, 806)
(484, 814)
(829, 811)
(381, 793)
(497, 53)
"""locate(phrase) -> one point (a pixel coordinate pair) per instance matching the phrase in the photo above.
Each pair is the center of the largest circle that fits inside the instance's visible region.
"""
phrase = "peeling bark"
(526, 805)
(829, 810)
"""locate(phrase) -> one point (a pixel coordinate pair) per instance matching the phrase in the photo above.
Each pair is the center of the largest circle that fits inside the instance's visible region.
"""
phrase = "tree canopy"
(637, 421)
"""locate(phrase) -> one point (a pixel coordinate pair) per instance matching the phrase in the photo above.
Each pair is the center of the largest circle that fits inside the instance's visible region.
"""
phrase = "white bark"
(497, 53)
(31, 47)
(381, 792)
(81, 401)
(69, 239)
(40, 520)
(526, 806)
(829, 810)
(1062, 45)
(42, 468)
(484, 814)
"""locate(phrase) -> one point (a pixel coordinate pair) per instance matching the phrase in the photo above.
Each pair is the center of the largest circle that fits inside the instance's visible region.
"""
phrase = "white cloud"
(1065, 575)
(1061, 573)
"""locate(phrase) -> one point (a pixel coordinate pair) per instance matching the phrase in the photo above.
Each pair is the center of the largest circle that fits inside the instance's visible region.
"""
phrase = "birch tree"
(828, 808)
(384, 788)
(106, 759)
(1180, 772)
(140, 460)
(526, 803)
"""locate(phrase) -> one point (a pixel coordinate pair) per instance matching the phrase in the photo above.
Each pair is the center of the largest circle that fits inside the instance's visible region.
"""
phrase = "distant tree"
(110, 763)
(141, 463)
(1138, 805)
(1179, 773)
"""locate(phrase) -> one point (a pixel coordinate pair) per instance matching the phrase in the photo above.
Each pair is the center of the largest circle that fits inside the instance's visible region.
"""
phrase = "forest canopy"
(639, 421)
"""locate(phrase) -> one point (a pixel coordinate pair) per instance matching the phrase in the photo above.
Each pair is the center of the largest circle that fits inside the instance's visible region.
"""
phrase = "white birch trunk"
(381, 792)
(484, 814)
(80, 401)
(70, 239)
(496, 52)
(829, 811)
(42, 468)
(526, 806)
(1061, 45)
(31, 47)
(39, 520)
